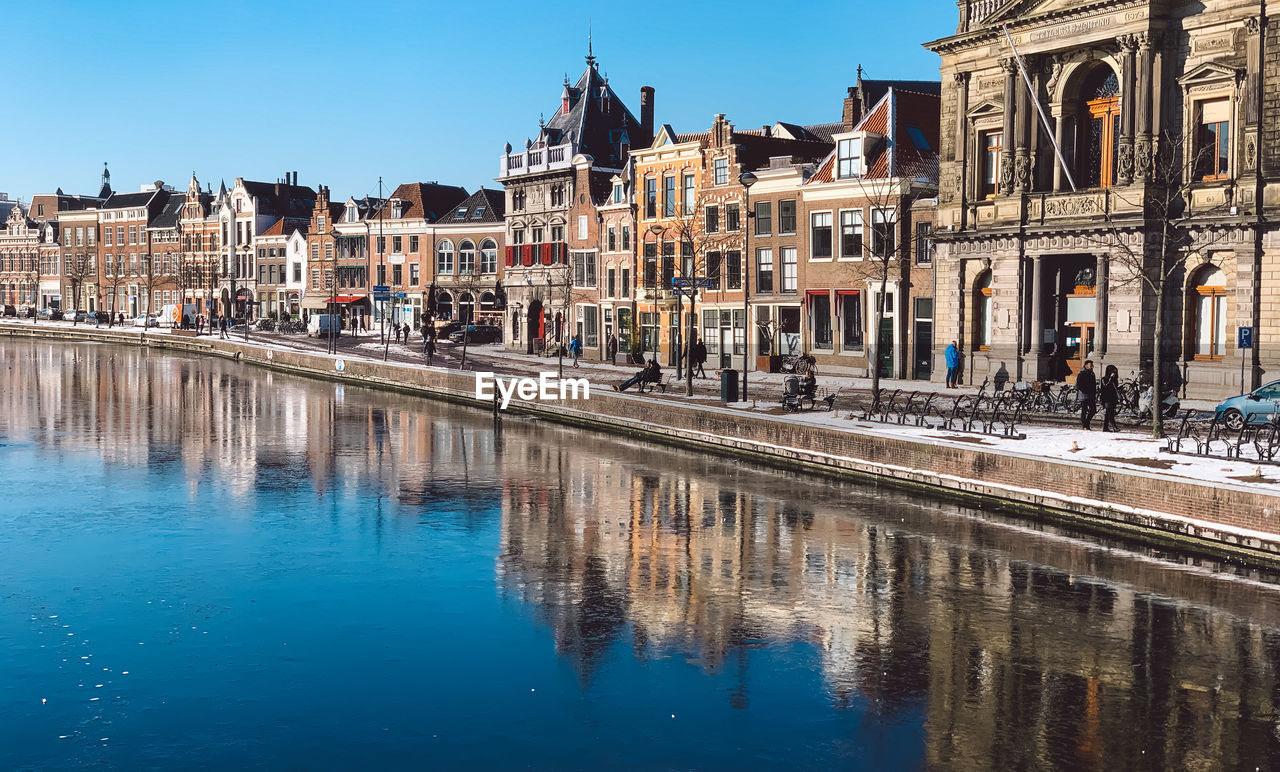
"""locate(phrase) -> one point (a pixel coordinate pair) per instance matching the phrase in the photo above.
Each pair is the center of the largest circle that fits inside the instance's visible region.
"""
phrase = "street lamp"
(658, 231)
(746, 179)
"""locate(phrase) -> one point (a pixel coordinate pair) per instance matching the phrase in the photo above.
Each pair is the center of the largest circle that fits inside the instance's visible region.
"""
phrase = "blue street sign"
(381, 288)
(1244, 337)
(400, 295)
(683, 283)
(381, 297)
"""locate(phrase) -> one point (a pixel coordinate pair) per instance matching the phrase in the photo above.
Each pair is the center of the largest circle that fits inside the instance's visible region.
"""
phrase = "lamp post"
(746, 179)
(657, 231)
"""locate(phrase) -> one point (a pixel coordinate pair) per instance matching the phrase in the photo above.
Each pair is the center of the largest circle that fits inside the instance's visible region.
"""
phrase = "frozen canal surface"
(208, 565)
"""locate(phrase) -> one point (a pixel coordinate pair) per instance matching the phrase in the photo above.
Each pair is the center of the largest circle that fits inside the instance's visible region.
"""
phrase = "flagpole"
(1044, 119)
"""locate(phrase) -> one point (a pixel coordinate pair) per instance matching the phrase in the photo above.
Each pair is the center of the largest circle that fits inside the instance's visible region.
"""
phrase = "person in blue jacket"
(953, 365)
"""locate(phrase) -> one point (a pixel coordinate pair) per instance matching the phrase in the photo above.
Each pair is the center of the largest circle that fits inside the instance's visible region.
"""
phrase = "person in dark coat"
(700, 357)
(1109, 394)
(1087, 386)
(650, 374)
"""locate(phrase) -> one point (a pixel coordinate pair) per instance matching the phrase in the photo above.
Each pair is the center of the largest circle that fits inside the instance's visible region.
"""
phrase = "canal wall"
(1217, 518)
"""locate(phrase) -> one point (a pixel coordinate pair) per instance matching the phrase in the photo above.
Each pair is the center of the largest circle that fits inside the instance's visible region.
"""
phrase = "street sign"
(685, 283)
(1244, 337)
(381, 297)
(381, 288)
(400, 295)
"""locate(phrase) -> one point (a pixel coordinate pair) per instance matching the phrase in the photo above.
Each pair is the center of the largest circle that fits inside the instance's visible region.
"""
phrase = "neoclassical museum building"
(1037, 259)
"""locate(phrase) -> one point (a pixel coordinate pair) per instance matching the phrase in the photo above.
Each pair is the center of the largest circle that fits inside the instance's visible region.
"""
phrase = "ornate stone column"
(1128, 102)
(1037, 305)
(1143, 150)
(1010, 70)
(1022, 144)
(963, 189)
(1102, 290)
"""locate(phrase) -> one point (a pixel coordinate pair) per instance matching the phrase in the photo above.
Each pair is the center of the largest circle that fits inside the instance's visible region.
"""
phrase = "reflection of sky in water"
(204, 562)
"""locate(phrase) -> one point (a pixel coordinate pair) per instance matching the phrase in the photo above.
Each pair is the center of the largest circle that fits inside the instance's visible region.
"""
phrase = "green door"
(885, 348)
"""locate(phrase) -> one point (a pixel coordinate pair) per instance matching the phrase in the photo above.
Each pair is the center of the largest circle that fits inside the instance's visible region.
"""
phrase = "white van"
(323, 325)
(171, 315)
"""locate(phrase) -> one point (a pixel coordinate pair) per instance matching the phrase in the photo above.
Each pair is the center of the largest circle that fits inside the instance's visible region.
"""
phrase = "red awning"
(848, 292)
(345, 298)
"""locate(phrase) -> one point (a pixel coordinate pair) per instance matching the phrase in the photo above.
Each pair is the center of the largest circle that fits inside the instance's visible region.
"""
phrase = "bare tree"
(1154, 252)
(470, 284)
(888, 255)
(113, 275)
(77, 269)
(702, 239)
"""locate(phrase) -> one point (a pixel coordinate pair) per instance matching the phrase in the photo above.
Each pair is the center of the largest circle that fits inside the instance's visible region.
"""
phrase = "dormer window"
(461, 214)
(617, 192)
(478, 213)
(849, 158)
(351, 214)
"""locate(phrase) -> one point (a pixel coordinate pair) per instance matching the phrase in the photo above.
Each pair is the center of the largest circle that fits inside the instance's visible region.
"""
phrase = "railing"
(998, 414)
(537, 160)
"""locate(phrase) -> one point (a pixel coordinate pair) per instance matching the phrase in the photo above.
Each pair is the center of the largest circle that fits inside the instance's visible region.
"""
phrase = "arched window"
(466, 308)
(1097, 128)
(466, 258)
(444, 305)
(1207, 303)
(444, 258)
(486, 302)
(982, 311)
(488, 256)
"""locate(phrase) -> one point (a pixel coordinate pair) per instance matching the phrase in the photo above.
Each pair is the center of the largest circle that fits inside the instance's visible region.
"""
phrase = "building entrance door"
(1077, 343)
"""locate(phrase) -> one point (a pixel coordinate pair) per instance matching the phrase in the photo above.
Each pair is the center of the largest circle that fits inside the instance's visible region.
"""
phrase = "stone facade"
(1050, 229)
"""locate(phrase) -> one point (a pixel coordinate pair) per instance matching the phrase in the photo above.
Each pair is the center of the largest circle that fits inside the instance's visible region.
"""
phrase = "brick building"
(467, 268)
(541, 185)
(200, 263)
(124, 251)
(19, 259)
(281, 261)
(251, 208)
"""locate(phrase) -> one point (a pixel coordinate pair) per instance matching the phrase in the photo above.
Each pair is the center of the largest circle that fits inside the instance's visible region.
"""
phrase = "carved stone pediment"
(1017, 10)
(984, 109)
(1210, 73)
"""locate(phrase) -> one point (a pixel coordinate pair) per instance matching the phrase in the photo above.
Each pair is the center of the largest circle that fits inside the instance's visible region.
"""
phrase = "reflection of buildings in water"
(958, 621)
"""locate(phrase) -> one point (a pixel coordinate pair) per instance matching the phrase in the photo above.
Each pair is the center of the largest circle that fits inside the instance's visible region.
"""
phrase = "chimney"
(852, 109)
(646, 113)
(766, 130)
(295, 178)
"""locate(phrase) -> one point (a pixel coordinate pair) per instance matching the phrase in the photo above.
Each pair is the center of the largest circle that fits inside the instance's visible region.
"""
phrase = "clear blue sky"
(346, 92)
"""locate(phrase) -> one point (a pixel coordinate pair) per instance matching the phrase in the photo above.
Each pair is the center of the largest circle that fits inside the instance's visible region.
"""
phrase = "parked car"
(49, 314)
(10, 311)
(146, 320)
(323, 325)
(1256, 407)
(479, 333)
(445, 332)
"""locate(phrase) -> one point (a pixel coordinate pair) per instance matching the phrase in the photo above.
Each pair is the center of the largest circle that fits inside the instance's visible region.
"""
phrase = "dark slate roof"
(128, 200)
(818, 132)
(282, 200)
(757, 149)
(285, 226)
(874, 90)
(598, 133)
(483, 206)
(5, 208)
(171, 213)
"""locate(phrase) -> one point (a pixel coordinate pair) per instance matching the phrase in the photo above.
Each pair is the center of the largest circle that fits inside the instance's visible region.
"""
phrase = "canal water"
(206, 564)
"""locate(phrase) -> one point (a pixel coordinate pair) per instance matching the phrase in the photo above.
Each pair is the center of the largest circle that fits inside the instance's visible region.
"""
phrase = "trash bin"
(728, 386)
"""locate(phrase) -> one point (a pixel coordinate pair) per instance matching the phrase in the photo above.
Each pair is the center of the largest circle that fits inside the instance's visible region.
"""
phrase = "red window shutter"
(511, 256)
(527, 254)
(547, 258)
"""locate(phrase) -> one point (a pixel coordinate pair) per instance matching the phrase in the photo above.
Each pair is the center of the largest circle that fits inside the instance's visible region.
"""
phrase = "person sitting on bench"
(651, 373)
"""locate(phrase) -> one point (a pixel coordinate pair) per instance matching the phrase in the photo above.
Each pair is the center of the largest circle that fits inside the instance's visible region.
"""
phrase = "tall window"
(721, 167)
(613, 239)
(764, 218)
(650, 264)
(851, 233)
(731, 217)
(488, 256)
(626, 237)
(669, 196)
(733, 270)
(687, 191)
(820, 236)
(466, 258)
(1213, 142)
(650, 198)
(789, 264)
(1098, 116)
(992, 142)
(413, 243)
(668, 263)
(713, 270)
(982, 311)
(584, 269)
(713, 219)
(848, 158)
(850, 320)
(764, 271)
(444, 258)
(1208, 303)
(396, 243)
(820, 321)
(883, 239)
(787, 216)
(924, 243)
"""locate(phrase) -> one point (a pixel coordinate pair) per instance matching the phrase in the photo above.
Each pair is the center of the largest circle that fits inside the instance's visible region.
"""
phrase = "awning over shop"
(346, 298)
(314, 302)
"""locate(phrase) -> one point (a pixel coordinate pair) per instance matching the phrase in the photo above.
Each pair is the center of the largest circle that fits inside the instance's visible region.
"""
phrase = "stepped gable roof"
(170, 213)
(285, 226)
(909, 120)
(483, 206)
(427, 200)
(5, 208)
(598, 126)
(282, 199)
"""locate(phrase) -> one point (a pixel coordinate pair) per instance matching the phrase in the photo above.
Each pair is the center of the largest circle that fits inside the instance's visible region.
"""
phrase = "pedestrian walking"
(429, 345)
(396, 327)
(952, 356)
(1087, 387)
(1109, 395)
(700, 357)
(223, 325)
(611, 348)
(575, 348)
